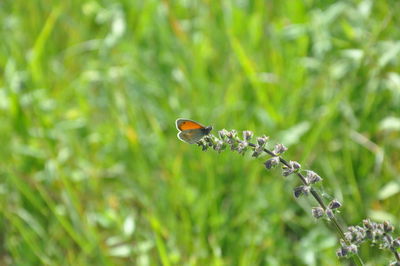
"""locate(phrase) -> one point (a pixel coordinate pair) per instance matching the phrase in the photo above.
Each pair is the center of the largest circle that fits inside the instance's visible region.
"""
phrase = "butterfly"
(190, 131)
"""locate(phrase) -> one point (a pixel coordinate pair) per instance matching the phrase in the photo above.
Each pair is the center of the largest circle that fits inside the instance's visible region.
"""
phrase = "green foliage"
(92, 172)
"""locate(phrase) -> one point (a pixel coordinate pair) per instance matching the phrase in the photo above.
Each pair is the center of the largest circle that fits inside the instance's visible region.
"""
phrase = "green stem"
(356, 258)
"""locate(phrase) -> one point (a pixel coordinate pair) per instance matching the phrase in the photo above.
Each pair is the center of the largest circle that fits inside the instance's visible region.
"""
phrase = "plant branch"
(317, 197)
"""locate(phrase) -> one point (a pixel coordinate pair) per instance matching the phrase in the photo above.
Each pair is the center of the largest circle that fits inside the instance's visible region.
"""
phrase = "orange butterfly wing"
(187, 124)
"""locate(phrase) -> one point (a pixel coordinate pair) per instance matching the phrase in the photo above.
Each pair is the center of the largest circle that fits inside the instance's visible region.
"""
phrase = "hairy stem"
(318, 198)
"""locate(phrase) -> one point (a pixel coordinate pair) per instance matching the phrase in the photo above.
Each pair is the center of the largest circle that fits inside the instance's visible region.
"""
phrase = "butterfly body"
(191, 131)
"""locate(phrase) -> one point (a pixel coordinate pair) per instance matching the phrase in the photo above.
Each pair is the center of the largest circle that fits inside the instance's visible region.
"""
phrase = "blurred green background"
(92, 172)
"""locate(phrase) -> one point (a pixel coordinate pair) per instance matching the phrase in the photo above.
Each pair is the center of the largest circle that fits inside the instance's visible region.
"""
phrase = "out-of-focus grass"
(92, 172)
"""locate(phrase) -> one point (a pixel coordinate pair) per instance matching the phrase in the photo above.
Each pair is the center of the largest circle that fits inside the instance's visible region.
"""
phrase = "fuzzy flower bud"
(286, 171)
(355, 234)
(368, 224)
(329, 213)
(334, 204)
(342, 252)
(353, 248)
(317, 212)
(279, 149)
(295, 165)
(222, 133)
(209, 141)
(262, 140)
(346, 249)
(312, 177)
(301, 190)
(256, 152)
(387, 227)
(259, 148)
(202, 143)
(219, 146)
(242, 147)
(247, 135)
(272, 162)
(232, 134)
(396, 243)
(348, 236)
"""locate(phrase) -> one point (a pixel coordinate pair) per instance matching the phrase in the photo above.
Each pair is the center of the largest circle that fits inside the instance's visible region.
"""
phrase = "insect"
(190, 131)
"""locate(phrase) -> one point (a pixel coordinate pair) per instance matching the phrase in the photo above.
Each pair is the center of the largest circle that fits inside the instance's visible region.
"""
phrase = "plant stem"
(396, 254)
(318, 198)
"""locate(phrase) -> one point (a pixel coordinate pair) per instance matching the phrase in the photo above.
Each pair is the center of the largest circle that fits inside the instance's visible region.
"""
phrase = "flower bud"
(247, 135)
(317, 212)
(301, 190)
(312, 177)
(387, 227)
(286, 171)
(272, 162)
(262, 140)
(222, 133)
(279, 149)
(329, 213)
(295, 165)
(334, 204)
(242, 147)
(396, 243)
